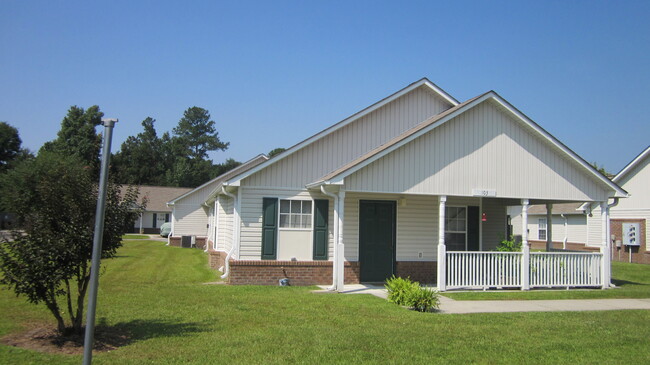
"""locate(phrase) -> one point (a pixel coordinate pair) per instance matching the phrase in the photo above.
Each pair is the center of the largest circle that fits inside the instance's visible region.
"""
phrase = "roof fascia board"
(358, 115)
(220, 177)
(629, 167)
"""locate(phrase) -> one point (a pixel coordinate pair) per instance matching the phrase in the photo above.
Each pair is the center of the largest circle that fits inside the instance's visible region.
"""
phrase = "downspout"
(336, 236)
(226, 271)
(566, 231)
(209, 230)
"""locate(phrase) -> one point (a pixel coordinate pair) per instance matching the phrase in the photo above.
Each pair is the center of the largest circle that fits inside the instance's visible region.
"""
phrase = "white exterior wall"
(575, 231)
(417, 224)
(637, 206)
(251, 223)
(351, 141)
(190, 220)
(147, 220)
(483, 148)
(225, 217)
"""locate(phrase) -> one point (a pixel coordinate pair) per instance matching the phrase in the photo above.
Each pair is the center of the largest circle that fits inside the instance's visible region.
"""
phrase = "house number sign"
(484, 192)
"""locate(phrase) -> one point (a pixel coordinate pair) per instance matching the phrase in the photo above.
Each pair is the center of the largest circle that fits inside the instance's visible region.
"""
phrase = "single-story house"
(417, 184)
(156, 211)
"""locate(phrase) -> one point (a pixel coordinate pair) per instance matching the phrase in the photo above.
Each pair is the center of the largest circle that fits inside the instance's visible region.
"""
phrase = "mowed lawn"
(157, 293)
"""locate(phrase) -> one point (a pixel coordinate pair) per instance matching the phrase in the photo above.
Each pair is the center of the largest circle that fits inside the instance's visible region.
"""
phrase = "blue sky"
(272, 73)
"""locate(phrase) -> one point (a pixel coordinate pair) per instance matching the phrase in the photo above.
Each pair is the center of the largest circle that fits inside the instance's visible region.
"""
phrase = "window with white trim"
(456, 228)
(541, 232)
(295, 214)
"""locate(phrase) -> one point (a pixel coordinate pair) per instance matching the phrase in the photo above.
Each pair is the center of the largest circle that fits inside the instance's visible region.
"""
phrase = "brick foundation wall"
(424, 272)
(640, 254)
(199, 242)
(216, 259)
(573, 246)
(266, 272)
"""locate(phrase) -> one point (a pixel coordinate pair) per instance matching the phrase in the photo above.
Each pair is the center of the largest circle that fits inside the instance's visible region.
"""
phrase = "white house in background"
(191, 217)
(415, 185)
(569, 230)
(629, 218)
(156, 212)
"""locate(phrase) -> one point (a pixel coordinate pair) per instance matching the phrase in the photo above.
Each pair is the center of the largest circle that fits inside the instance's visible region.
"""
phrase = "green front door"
(376, 240)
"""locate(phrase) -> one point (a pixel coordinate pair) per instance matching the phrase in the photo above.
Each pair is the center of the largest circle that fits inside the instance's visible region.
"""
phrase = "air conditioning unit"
(187, 241)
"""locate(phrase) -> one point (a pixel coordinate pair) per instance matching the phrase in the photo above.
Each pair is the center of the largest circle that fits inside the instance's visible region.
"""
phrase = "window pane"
(460, 225)
(461, 213)
(295, 206)
(284, 220)
(284, 206)
(306, 206)
(306, 221)
(295, 221)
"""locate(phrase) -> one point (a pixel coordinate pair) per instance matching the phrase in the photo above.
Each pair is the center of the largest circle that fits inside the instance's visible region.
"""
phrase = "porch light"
(484, 217)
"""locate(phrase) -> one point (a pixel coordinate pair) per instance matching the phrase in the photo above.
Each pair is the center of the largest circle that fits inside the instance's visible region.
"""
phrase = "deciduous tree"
(54, 197)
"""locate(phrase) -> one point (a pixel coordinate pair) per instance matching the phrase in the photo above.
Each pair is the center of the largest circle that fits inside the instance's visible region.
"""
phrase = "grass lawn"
(157, 293)
(631, 280)
(135, 237)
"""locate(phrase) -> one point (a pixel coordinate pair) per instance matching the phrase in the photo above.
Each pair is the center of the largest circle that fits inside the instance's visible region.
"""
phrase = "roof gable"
(338, 176)
(637, 161)
(209, 186)
(423, 83)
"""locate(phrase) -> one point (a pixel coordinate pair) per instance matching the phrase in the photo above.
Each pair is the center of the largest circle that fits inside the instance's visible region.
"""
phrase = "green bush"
(509, 245)
(424, 299)
(409, 293)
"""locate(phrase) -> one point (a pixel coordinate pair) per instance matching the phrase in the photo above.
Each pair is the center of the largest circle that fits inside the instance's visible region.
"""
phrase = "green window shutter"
(321, 237)
(269, 228)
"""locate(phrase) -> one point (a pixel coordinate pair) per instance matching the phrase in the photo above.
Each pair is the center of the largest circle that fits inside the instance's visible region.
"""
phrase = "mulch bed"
(42, 338)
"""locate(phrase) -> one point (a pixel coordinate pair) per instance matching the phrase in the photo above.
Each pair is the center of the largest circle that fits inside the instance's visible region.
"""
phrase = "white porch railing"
(489, 269)
(480, 270)
(565, 269)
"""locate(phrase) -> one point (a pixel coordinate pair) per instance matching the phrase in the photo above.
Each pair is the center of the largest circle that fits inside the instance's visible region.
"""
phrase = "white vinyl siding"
(251, 214)
(637, 183)
(351, 141)
(225, 212)
(190, 220)
(483, 148)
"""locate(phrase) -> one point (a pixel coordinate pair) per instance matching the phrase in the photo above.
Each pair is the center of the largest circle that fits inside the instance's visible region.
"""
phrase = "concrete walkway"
(450, 306)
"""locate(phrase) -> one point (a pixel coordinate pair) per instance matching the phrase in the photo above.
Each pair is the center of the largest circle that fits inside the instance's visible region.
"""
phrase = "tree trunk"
(83, 286)
(54, 308)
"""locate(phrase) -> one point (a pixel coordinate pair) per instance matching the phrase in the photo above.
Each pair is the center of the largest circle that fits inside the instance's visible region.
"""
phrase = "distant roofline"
(220, 177)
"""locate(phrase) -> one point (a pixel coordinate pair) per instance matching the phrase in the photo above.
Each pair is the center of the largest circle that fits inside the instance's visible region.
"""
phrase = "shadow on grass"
(126, 333)
(619, 282)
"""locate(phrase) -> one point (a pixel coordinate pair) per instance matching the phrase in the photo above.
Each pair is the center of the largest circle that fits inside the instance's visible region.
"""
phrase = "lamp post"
(89, 337)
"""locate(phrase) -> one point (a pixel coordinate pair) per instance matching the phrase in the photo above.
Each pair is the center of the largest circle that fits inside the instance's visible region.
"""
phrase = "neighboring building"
(569, 226)
(191, 216)
(157, 212)
(629, 218)
(390, 190)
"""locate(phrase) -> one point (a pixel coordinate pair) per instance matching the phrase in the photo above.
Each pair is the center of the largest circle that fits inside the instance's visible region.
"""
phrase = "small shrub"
(399, 289)
(509, 245)
(424, 299)
(409, 293)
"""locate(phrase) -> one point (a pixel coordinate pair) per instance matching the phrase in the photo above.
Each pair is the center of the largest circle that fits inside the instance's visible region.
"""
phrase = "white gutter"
(226, 271)
(336, 237)
(209, 229)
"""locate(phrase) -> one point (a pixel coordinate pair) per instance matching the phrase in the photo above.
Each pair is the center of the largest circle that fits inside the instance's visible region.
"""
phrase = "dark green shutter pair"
(270, 229)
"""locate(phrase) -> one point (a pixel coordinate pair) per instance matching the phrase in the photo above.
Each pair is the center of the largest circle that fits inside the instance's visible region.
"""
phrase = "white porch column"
(442, 251)
(604, 247)
(525, 249)
(549, 227)
(340, 251)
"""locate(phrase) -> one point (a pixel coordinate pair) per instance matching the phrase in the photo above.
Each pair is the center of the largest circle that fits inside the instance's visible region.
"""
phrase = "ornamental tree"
(54, 198)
